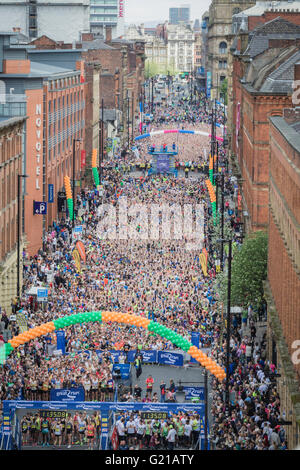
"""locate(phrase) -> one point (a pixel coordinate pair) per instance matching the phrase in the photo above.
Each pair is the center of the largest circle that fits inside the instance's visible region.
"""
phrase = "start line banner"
(151, 356)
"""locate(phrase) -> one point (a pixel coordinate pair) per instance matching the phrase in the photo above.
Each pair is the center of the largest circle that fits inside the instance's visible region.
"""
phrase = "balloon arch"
(149, 325)
(175, 131)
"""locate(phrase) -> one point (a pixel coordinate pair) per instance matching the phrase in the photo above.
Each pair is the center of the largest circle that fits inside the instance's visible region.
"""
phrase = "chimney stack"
(108, 34)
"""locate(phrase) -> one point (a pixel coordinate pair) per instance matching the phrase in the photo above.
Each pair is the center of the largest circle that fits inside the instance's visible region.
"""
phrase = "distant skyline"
(157, 11)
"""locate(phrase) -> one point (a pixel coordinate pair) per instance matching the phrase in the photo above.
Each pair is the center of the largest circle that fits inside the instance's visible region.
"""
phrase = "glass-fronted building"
(107, 13)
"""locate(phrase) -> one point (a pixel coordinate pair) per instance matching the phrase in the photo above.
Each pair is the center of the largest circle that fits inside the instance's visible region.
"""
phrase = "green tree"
(151, 69)
(224, 90)
(248, 271)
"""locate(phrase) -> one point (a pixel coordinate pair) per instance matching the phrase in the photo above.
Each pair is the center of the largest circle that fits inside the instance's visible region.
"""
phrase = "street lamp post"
(227, 401)
(206, 410)
(217, 174)
(19, 235)
(102, 139)
(132, 117)
(152, 94)
(222, 221)
(73, 182)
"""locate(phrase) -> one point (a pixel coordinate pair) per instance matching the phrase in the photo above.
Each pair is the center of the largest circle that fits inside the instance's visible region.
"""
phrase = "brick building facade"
(11, 165)
(283, 286)
(261, 88)
(53, 83)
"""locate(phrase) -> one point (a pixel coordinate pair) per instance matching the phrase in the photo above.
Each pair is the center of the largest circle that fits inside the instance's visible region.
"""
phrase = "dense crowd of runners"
(158, 279)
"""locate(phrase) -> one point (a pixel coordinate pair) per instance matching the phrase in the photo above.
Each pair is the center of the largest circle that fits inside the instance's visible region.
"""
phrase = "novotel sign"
(38, 144)
(121, 8)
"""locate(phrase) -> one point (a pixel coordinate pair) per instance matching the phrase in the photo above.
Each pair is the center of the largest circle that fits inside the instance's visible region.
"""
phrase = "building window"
(223, 47)
(222, 64)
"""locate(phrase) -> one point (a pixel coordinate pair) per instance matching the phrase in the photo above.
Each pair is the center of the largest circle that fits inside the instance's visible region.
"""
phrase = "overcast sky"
(140, 11)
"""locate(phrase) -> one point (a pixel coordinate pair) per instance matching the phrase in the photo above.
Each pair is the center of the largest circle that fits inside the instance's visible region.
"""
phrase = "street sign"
(50, 193)
(39, 208)
(77, 232)
(42, 295)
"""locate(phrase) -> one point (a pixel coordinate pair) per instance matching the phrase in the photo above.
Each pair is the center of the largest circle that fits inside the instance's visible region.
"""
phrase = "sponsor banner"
(9, 405)
(61, 341)
(169, 358)
(194, 392)
(124, 369)
(115, 355)
(73, 394)
(148, 356)
(195, 340)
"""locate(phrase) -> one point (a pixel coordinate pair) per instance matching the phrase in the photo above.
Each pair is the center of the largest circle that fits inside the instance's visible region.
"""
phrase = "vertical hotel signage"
(208, 84)
(38, 143)
(121, 8)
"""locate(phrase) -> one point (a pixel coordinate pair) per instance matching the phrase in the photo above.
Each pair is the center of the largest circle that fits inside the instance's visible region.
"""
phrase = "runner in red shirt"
(149, 385)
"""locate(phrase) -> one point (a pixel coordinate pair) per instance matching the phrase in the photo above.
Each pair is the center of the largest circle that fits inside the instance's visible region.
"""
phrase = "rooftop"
(6, 122)
(289, 131)
(262, 7)
(278, 28)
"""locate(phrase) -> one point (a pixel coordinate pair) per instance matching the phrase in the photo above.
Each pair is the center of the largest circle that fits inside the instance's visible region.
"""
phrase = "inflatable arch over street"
(151, 326)
(175, 131)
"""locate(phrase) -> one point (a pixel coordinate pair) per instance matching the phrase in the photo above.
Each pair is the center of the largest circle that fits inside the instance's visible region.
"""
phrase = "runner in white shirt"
(140, 432)
(131, 429)
(120, 427)
(188, 433)
(171, 438)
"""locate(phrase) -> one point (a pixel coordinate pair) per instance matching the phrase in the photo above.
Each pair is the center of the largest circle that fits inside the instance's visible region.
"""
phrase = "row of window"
(9, 189)
(8, 237)
(104, 19)
(104, 2)
(103, 11)
(65, 144)
(64, 82)
(10, 147)
(65, 100)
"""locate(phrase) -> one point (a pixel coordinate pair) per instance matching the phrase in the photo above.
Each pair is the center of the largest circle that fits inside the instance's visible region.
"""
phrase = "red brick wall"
(283, 249)
(285, 286)
(254, 21)
(16, 66)
(285, 177)
(253, 152)
(10, 166)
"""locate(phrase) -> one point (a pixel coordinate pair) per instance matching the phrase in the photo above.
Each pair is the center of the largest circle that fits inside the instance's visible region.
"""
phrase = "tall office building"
(60, 21)
(107, 13)
(179, 14)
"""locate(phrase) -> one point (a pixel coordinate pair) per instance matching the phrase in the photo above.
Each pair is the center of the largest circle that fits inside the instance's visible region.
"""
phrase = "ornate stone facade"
(220, 39)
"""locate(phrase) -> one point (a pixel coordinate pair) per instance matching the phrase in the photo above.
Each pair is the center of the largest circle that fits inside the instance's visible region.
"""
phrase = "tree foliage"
(153, 68)
(224, 90)
(248, 271)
